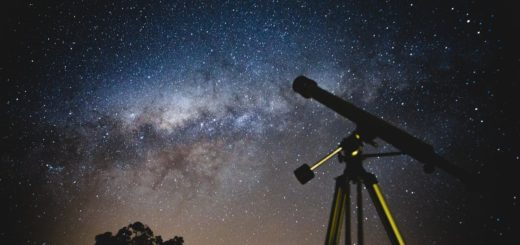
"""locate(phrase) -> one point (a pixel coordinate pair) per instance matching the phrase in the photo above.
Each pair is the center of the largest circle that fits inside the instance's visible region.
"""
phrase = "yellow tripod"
(350, 152)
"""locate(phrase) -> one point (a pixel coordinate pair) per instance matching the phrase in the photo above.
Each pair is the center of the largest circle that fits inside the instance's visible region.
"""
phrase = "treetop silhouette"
(135, 234)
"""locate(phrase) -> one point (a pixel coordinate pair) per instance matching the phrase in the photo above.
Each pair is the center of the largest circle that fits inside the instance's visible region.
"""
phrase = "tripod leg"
(337, 212)
(359, 208)
(346, 217)
(384, 213)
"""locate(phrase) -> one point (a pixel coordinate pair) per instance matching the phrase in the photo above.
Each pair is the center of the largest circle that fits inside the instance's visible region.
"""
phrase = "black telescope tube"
(377, 127)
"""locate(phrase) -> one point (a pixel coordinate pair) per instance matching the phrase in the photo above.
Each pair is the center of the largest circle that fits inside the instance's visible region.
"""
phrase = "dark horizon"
(182, 116)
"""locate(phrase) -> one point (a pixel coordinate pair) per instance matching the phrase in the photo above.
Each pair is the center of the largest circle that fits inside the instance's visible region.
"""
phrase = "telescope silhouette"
(373, 127)
(350, 152)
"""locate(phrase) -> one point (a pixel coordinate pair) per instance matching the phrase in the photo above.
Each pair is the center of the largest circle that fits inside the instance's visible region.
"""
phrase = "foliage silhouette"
(135, 234)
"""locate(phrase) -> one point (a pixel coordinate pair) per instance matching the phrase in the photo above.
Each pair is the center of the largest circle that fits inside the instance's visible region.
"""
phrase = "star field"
(182, 116)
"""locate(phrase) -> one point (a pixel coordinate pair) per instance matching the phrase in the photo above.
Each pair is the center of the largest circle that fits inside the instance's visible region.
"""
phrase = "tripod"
(354, 173)
(350, 152)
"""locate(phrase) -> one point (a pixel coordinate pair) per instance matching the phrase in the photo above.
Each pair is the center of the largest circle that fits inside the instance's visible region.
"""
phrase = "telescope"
(350, 151)
(373, 127)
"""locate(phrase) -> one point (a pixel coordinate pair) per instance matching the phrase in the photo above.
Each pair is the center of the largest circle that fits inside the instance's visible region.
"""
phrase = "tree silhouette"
(135, 234)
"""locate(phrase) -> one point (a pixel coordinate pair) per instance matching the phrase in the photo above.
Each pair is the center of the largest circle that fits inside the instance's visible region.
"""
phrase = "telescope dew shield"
(304, 86)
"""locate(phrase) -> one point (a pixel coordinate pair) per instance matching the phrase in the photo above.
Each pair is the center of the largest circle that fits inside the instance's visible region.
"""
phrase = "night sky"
(182, 116)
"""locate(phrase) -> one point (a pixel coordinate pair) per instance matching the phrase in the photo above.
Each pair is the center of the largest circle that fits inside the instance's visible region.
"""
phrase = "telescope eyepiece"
(304, 86)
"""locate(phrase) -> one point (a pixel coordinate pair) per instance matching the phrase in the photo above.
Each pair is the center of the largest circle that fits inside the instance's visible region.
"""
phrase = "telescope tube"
(376, 127)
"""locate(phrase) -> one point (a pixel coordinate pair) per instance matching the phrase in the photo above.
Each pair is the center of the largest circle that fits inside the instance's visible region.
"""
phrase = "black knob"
(304, 174)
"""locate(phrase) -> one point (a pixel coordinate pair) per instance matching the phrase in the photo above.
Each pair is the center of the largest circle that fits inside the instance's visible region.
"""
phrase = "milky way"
(182, 116)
